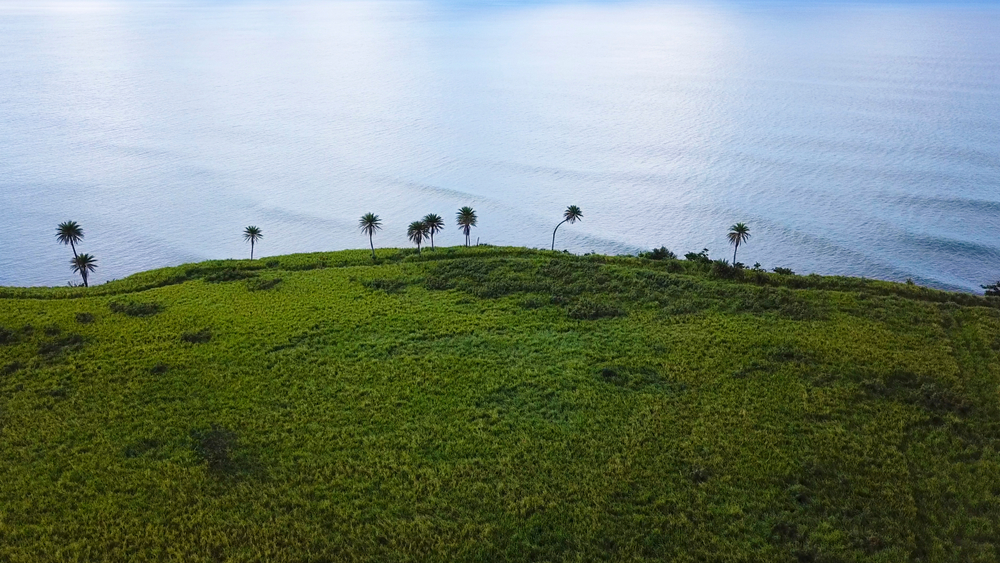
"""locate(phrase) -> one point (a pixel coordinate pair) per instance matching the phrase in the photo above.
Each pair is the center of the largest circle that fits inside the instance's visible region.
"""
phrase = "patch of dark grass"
(532, 303)
(159, 368)
(135, 308)
(260, 284)
(52, 330)
(7, 336)
(525, 401)
(216, 447)
(910, 388)
(11, 368)
(639, 378)
(590, 310)
(386, 285)
(200, 337)
(230, 275)
(59, 346)
(142, 447)
(84, 318)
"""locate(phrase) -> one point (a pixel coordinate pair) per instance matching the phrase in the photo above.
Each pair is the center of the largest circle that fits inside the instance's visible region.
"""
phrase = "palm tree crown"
(370, 224)
(417, 232)
(434, 225)
(466, 219)
(252, 234)
(738, 234)
(83, 264)
(571, 215)
(69, 232)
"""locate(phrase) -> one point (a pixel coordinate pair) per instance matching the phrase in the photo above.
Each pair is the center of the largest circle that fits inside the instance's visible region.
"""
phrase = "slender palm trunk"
(83, 274)
(418, 248)
(554, 233)
(735, 248)
(432, 240)
(73, 246)
(251, 249)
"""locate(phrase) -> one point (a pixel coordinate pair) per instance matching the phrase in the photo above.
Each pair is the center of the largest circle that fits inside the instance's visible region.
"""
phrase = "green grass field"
(492, 404)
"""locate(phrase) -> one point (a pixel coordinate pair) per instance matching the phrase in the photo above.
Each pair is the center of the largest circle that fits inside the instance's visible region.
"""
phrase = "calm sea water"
(859, 139)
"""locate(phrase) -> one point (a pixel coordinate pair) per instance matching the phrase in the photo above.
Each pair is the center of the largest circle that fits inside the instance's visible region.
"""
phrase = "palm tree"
(434, 225)
(370, 224)
(571, 215)
(466, 219)
(417, 232)
(738, 234)
(69, 232)
(84, 264)
(252, 234)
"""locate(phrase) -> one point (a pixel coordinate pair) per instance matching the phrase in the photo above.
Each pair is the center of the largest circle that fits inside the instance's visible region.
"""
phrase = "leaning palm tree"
(83, 264)
(252, 234)
(571, 215)
(434, 225)
(370, 224)
(466, 219)
(417, 232)
(738, 234)
(69, 232)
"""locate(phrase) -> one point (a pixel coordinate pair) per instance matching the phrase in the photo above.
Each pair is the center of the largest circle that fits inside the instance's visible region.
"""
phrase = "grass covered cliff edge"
(490, 404)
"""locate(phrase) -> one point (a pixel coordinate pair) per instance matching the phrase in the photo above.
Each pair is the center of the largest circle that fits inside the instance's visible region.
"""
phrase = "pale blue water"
(859, 139)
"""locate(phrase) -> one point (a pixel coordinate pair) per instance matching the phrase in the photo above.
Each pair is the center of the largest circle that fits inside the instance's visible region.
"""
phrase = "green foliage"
(134, 308)
(659, 254)
(992, 290)
(489, 404)
(228, 275)
(698, 257)
(784, 271)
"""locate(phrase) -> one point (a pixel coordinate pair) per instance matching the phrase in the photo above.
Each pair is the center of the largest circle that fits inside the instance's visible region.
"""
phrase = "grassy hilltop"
(491, 404)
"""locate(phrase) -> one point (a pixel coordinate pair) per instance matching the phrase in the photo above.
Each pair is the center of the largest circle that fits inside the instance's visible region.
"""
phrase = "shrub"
(200, 337)
(992, 290)
(384, 284)
(84, 318)
(722, 270)
(659, 254)
(134, 309)
(215, 447)
(591, 310)
(783, 272)
(159, 368)
(228, 275)
(10, 368)
(700, 257)
(6, 336)
(258, 284)
(56, 347)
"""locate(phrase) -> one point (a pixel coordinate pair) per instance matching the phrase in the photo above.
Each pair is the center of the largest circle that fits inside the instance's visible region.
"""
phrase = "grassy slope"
(485, 404)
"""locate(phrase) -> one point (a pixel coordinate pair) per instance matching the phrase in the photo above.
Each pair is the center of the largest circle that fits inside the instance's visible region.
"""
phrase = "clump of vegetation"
(134, 308)
(698, 257)
(6, 336)
(262, 284)
(216, 446)
(54, 348)
(659, 254)
(783, 271)
(385, 285)
(200, 337)
(85, 318)
(992, 290)
(230, 275)
(587, 309)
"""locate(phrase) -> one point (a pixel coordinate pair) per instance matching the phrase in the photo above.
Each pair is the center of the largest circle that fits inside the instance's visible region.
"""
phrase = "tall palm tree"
(370, 224)
(571, 215)
(252, 234)
(434, 225)
(738, 234)
(417, 232)
(69, 232)
(83, 264)
(466, 219)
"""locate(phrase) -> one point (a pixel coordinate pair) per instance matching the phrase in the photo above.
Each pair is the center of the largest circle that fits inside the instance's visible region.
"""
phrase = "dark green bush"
(258, 284)
(723, 270)
(784, 272)
(216, 447)
(992, 290)
(84, 318)
(659, 254)
(56, 347)
(200, 337)
(587, 309)
(387, 285)
(699, 257)
(228, 275)
(6, 336)
(134, 309)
